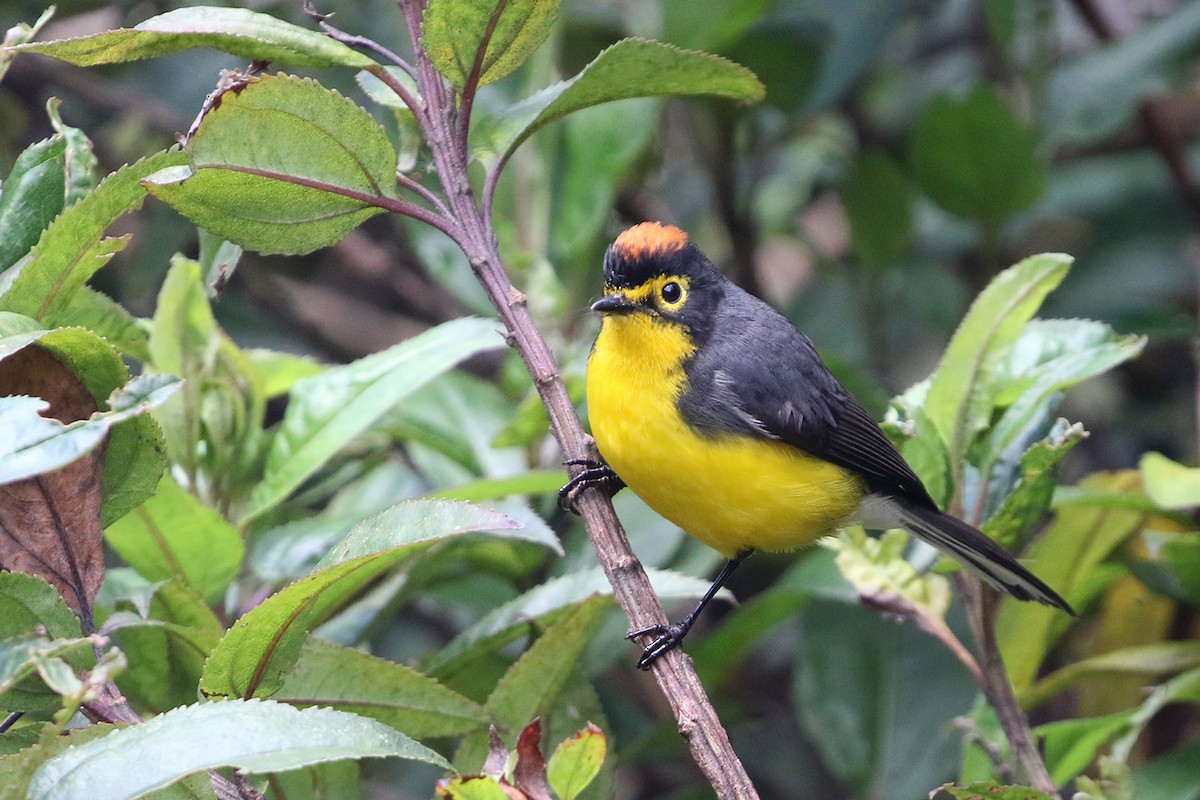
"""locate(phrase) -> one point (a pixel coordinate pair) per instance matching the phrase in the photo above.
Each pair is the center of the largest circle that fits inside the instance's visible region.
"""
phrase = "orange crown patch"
(649, 239)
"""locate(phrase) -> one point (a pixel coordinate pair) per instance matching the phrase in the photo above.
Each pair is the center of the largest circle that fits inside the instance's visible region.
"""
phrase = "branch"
(981, 614)
(473, 232)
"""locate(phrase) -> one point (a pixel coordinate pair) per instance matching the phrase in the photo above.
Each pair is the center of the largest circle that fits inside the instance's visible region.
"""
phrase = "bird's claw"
(595, 474)
(667, 638)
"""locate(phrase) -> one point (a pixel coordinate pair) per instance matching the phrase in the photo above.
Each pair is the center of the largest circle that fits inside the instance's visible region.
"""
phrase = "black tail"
(978, 553)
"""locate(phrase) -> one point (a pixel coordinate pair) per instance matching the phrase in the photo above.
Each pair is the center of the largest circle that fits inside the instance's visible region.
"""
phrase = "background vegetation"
(904, 154)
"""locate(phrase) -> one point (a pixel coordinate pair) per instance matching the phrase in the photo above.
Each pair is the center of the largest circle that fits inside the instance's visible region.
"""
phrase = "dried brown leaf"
(50, 524)
(529, 773)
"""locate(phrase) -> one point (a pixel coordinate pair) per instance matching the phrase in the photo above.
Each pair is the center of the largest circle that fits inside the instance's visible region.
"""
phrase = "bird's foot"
(596, 474)
(667, 638)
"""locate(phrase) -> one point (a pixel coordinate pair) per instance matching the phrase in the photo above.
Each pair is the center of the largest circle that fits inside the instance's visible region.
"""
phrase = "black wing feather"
(760, 376)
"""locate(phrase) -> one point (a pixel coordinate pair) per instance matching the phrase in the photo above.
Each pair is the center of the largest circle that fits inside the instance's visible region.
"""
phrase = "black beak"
(614, 304)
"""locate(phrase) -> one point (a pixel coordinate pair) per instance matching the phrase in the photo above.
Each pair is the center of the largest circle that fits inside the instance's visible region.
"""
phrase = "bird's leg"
(596, 474)
(671, 636)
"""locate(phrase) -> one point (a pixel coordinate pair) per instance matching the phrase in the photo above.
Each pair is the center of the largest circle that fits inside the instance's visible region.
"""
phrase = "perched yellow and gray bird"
(721, 416)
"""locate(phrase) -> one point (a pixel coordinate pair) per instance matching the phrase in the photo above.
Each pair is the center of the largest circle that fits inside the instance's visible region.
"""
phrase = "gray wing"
(762, 377)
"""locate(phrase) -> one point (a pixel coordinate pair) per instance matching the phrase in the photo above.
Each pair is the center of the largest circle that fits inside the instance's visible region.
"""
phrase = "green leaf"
(472, 787)
(80, 162)
(33, 196)
(184, 341)
(1029, 498)
(1065, 556)
(96, 311)
(280, 371)
(541, 481)
(878, 201)
(710, 25)
(20, 33)
(452, 32)
(167, 645)
(27, 601)
(960, 395)
(988, 789)
(576, 762)
(39, 444)
(282, 165)
(876, 703)
(530, 685)
(974, 157)
(327, 674)
(21, 656)
(1169, 483)
(1071, 745)
(629, 68)
(328, 410)
(1158, 659)
(511, 620)
(1049, 357)
(71, 249)
(885, 580)
(237, 31)
(265, 643)
(252, 735)
(174, 534)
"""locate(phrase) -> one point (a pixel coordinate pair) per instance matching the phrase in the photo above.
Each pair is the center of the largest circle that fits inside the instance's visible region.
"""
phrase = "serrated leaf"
(327, 674)
(1051, 356)
(529, 685)
(99, 313)
(1028, 500)
(511, 620)
(71, 249)
(576, 762)
(264, 644)
(282, 165)
(629, 68)
(960, 396)
(252, 735)
(452, 32)
(174, 534)
(237, 31)
(975, 158)
(329, 409)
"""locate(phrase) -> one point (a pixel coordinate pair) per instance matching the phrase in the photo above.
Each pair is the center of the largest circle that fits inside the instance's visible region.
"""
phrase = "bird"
(718, 413)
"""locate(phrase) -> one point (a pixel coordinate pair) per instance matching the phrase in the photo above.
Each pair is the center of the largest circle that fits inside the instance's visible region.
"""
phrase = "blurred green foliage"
(904, 154)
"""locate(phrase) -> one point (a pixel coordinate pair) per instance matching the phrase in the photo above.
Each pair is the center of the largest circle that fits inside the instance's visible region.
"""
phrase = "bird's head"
(651, 270)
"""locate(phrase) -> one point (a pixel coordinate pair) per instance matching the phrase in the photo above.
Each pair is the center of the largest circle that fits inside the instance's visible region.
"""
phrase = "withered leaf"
(529, 773)
(50, 524)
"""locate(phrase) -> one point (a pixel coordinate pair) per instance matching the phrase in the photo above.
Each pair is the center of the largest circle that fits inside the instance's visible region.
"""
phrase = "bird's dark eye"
(671, 292)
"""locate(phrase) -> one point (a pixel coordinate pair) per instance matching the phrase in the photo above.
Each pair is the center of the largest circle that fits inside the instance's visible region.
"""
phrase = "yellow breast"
(733, 492)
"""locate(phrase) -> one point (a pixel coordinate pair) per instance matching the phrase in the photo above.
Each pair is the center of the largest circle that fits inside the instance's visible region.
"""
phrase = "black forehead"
(624, 269)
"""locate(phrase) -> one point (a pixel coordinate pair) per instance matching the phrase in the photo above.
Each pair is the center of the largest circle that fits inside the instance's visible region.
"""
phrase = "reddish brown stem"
(471, 229)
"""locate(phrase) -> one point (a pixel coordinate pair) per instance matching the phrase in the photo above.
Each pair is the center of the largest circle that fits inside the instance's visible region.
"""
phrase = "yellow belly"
(733, 493)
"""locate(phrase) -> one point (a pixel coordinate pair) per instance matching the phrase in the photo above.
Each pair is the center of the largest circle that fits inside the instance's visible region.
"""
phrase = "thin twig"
(471, 85)
(996, 686)
(473, 232)
(352, 40)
